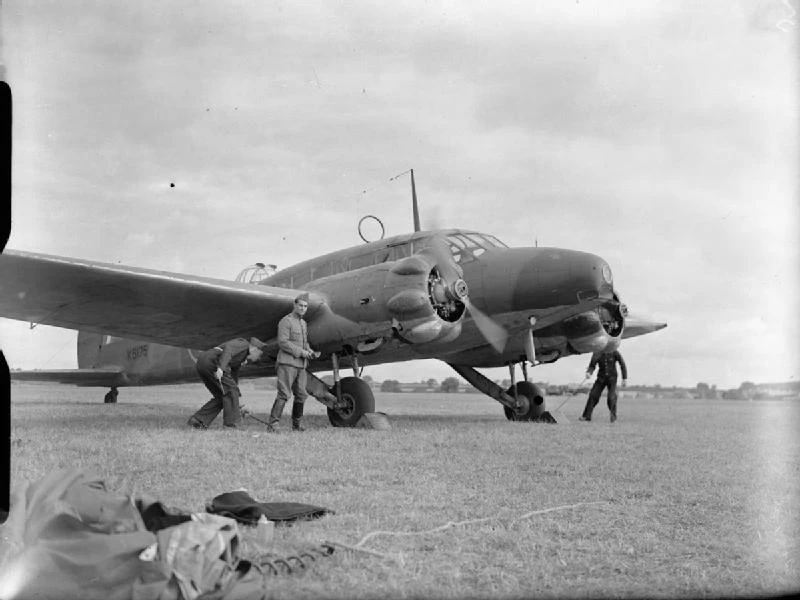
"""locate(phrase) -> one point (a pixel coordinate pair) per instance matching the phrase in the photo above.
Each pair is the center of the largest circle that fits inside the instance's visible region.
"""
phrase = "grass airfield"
(681, 498)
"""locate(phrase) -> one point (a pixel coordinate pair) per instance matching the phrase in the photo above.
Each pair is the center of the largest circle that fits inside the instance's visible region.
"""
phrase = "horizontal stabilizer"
(101, 377)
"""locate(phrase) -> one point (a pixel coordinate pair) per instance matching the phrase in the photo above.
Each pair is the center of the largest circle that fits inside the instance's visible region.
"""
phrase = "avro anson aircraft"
(460, 296)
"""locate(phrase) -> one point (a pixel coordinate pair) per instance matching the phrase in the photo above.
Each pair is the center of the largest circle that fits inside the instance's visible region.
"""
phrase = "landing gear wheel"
(531, 403)
(111, 396)
(357, 398)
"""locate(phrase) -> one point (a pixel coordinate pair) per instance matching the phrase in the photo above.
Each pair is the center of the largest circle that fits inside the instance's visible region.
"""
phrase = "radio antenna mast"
(414, 202)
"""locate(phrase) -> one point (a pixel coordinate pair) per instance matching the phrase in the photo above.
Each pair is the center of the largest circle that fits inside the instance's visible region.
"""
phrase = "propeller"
(494, 333)
(454, 288)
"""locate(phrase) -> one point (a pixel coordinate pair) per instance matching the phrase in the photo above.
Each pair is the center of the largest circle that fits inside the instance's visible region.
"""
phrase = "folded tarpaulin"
(244, 508)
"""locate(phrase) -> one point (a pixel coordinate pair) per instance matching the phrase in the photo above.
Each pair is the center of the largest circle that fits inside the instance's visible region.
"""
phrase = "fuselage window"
(400, 251)
(359, 262)
(337, 266)
(322, 271)
(382, 255)
(302, 278)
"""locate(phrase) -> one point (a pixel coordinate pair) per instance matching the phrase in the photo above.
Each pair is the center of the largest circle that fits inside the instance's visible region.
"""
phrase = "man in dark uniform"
(219, 370)
(293, 355)
(606, 377)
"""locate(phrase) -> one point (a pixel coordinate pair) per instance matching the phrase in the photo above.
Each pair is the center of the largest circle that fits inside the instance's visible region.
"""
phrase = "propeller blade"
(448, 268)
(435, 221)
(494, 333)
(452, 274)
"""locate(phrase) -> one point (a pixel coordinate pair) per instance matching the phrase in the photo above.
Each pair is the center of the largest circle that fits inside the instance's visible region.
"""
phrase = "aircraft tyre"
(111, 396)
(358, 399)
(531, 402)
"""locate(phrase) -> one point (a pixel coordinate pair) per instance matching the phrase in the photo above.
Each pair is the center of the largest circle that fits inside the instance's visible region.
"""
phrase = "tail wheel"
(111, 396)
(531, 402)
(357, 399)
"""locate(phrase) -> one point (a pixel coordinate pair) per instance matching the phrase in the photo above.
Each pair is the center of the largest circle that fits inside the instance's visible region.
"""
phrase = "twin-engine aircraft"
(460, 296)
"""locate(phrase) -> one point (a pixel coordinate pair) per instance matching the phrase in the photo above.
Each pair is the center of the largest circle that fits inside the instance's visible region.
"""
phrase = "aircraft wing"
(142, 304)
(102, 377)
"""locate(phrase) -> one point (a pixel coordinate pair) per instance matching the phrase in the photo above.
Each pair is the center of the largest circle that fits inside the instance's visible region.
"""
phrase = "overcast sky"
(662, 136)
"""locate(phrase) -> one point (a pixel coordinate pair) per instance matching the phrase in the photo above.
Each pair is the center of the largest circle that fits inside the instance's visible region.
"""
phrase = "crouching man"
(219, 370)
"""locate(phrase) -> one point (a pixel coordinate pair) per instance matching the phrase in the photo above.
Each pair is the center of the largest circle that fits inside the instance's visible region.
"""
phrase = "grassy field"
(688, 498)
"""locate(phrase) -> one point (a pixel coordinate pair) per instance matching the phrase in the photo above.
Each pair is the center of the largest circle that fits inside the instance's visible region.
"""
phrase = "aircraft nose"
(556, 276)
(592, 276)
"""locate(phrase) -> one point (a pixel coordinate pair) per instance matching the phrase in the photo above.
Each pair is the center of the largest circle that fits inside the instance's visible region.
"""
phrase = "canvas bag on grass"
(199, 560)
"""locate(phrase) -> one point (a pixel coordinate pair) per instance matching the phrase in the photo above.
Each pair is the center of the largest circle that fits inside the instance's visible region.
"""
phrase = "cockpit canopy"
(465, 246)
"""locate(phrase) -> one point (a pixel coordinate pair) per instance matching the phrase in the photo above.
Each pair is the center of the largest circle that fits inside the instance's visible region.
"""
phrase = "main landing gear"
(523, 401)
(349, 398)
(111, 396)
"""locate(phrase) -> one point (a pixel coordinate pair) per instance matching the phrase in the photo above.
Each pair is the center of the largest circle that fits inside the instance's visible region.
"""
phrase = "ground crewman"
(219, 370)
(606, 377)
(293, 355)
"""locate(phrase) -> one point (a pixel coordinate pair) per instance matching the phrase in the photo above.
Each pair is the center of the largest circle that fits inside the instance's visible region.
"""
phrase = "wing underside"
(141, 304)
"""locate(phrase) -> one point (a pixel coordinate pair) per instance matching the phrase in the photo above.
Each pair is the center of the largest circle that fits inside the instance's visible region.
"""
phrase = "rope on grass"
(358, 546)
(246, 413)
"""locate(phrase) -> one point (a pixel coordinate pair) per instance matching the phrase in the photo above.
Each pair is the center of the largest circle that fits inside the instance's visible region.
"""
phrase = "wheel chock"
(546, 417)
(375, 420)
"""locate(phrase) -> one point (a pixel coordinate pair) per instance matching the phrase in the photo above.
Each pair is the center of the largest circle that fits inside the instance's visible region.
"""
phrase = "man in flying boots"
(293, 355)
(218, 368)
(606, 377)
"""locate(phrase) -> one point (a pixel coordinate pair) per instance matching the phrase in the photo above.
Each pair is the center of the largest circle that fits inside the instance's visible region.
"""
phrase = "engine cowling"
(598, 330)
(425, 307)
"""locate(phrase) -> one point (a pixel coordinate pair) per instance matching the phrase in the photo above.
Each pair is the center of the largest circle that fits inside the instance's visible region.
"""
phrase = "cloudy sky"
(662, 136)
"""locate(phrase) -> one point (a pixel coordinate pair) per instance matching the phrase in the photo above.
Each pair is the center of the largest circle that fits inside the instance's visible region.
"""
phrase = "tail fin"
(89, 345)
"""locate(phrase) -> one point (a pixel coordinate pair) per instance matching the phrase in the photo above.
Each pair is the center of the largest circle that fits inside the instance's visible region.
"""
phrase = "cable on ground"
(358, 546)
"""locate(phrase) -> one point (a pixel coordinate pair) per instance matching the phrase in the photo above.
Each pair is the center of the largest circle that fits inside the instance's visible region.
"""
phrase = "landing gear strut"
(523, 401)
(530, 399)
(530, 402)
(354, 397)
(111, 396)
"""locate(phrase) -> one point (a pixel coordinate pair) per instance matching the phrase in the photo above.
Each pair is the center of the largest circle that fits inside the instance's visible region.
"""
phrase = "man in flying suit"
(219, 370)
(293, 355)
(606, 377)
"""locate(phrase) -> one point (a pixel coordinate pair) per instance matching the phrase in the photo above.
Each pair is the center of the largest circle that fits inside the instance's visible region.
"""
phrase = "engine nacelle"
(598, 330)
(422, 305)
(408, 299)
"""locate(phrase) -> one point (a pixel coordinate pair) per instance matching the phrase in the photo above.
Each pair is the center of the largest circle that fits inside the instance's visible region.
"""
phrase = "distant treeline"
(702, 391)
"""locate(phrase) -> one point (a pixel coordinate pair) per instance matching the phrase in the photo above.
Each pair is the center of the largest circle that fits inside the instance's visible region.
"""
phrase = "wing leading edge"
(157, 306)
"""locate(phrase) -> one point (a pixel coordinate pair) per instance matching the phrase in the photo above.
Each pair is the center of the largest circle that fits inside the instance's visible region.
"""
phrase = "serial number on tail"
(137, 352)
